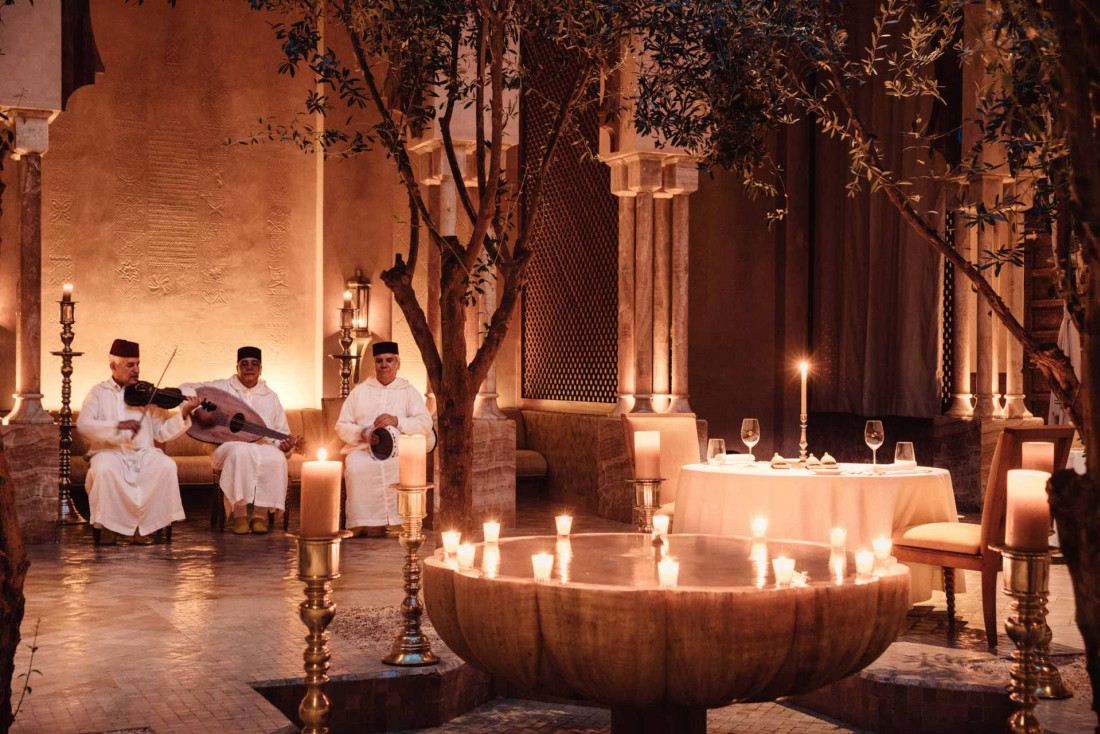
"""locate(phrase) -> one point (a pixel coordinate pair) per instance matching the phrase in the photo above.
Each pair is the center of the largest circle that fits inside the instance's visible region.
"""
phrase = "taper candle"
(804, 368)
(412, 456)
(1028, 518)
(647, 455)
(450, 541)
(67, 292)
(320, 513)
(784, 569)
(491, 530)
(1037, 455)
(668, 570)
(465, 554)
(542, 564)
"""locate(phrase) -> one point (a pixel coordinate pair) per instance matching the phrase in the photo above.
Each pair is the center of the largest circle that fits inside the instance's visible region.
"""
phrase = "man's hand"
(385, 419)
(190, 404)
(288, 443)
(369, 438)
(132, 426)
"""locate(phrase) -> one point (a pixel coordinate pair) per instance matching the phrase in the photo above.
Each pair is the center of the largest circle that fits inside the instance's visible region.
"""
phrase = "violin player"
(133, 489)
(253, 475)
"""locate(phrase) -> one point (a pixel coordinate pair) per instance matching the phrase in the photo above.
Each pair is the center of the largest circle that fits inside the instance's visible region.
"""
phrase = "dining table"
(804, 504)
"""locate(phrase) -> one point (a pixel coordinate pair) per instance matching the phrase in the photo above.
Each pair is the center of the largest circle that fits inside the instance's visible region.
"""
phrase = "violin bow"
(159, 380)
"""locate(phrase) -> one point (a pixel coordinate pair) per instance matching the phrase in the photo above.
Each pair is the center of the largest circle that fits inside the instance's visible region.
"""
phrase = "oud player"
(253, 475)
(133, 489)
(378, 402)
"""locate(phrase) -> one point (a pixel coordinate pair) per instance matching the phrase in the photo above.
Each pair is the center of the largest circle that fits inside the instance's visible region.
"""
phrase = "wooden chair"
(953, 545)
(679, 446)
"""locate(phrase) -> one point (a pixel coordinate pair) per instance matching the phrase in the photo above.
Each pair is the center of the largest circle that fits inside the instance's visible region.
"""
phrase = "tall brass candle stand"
(318, 566)
(1026, 580)
(803, 420)
(67, 513)
(347, 323)
(411, 647)
(647, 500)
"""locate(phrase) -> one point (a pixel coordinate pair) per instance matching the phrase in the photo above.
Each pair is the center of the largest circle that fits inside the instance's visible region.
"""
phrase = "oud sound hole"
(236, 423)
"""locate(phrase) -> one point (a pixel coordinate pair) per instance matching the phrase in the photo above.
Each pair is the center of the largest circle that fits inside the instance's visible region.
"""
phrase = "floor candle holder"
(803, 420)
(647, 500)
(347, 323)
(1027, 581)
(411, 647)
(318, 566)
(67, 514)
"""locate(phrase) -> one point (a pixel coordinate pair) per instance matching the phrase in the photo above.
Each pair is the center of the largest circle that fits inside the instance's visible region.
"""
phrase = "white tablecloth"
(800, 505)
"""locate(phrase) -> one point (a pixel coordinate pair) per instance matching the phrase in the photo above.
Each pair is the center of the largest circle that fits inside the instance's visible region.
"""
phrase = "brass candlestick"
(1026, 580)
(647, 500)
(803, 418)
(318, 566)
(411, 647)
(67, 514)
(347, 323)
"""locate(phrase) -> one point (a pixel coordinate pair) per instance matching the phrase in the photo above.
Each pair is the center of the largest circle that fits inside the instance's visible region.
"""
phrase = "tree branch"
(399, 280)
(445, 126)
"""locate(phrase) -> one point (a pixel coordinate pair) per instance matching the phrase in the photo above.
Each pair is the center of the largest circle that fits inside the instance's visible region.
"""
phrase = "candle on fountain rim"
(660, 525)
(465, 554)
(668, 570)
(1027, 526)
(320, 513)
(491, 530)
(67, 292)
(347, 299)
(647, 455)
(542, 564)
(759, 527)
(865, 562)
(450, 541)
(838, 537)
(564, 524)
(412, 455)
(1037, 455)
(882, 546)
(784, 570)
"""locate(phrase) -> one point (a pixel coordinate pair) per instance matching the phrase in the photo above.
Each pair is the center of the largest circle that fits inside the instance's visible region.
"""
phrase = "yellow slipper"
(259, 525)
(241, 526)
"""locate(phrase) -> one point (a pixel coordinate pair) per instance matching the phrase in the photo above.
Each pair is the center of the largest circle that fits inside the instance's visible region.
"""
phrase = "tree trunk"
(13, 571)
(455, 455)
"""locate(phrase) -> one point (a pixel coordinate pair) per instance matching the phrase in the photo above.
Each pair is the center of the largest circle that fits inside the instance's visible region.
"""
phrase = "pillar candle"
(647, 455)
(450, 541)
(465, 554)
(865, 562)
(564, 524)
(347, 299)
(320, 513)
(784, 569)
(759, 527)
(67, 292)
(804, 368)
(491, 530)
(412, 455)
(667, 572)
(838, 537)
(882, 548)
(1037, 455)
(1028, 518)
(542, 564)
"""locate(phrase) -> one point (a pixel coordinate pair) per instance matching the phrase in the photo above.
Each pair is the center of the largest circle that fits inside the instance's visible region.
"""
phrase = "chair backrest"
(1008, 456)
(521, 428)
(679, 444)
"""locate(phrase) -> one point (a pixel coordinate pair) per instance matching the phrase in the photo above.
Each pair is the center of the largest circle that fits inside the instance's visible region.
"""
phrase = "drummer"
(382, 402)
(253, 475)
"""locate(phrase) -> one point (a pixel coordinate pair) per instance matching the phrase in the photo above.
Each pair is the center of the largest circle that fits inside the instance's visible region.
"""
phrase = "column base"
(643, 404)
(1015, 407)
(680, 404)
(960, 406)
(985, 406)
(486, 408)
(622, 406)
(28, 410)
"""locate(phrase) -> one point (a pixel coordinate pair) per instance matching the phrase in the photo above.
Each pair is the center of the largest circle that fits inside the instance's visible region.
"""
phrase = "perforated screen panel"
(570, 307)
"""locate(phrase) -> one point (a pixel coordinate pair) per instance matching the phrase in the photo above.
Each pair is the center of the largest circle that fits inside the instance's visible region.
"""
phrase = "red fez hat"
(123, 348)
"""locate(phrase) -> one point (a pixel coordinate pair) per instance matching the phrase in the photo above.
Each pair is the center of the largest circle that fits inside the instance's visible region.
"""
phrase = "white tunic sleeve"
(347, 429)
(281, 424)
(93, 427)
(167, 426)
(417, 419)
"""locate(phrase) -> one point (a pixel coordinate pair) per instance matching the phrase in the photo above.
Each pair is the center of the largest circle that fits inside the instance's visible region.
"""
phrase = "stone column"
(486, 407)
(662, 283)
(1014, 294)
(643, 303)
(626, 306)
(681, 178)
(984, 406)
(962, 326)
(31, 142)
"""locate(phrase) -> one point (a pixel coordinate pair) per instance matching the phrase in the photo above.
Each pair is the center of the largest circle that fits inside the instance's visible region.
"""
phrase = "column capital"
(681, 176)
(32, 131)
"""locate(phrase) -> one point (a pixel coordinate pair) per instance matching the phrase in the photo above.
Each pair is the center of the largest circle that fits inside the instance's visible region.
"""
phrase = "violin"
(144, 393)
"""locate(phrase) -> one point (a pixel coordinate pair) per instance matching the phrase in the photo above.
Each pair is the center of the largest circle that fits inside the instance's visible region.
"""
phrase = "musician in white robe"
(377, 402)
(133, 489)
(253, 474)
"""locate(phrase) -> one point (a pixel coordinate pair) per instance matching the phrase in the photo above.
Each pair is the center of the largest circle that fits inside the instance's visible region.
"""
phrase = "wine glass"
(750, 433)
(716, 451)
(904, 454)
(873, 435)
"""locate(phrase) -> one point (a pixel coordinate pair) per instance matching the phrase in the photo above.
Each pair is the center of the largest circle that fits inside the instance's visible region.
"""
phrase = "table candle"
(1037, 455)
(67, 292)
(667, 572)
(865, 562)
(647, 455)
(784, 569)
(465, 554)
(491, 530)
(320, 512)
(660, 525)
(347, 299)
(882, 548)
(543, 564)
(838, 537)
(759, 527)
(1028, 518)
(450, 541)
(804, 368)
(412, 456)
(564, 524)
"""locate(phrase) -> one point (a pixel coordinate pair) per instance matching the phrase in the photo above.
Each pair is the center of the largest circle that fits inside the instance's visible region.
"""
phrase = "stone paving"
(166, 638)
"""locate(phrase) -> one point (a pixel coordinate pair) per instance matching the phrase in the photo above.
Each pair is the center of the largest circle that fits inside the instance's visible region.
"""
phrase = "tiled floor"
(168, 637)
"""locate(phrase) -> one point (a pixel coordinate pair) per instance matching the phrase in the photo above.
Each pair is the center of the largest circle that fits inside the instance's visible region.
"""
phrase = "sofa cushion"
(953, 537)
(521, 429)
(530, 464)
(194, 469)
(184, 445)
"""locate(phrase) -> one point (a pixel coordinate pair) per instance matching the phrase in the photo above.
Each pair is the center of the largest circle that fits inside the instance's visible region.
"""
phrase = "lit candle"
(882, 546)
(660, 525)
(320, 512)
(564, 523)
(465, 555)
(543, 564)
(784, 569)
(67, 292)
(1028, 518)
(647, 455)
(865, 562)
(491, 530)
(1037, 455)
(838, 537)
(412, 455)
(804, 368)
(759, 527)
(490, 560)
(667, 572)
(450, 541)
(347, 299)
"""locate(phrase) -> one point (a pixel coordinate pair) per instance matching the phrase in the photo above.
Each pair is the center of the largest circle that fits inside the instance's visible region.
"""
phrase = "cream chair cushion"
(679, 445)
(953, 537)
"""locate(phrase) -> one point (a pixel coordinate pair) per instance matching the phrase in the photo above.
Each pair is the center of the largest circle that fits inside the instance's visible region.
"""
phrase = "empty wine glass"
(716, 451)
(874, 436)
(903, 453)
(750, 433)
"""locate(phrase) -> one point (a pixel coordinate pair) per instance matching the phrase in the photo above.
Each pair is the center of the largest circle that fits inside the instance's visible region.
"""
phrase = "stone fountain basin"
(609, 634)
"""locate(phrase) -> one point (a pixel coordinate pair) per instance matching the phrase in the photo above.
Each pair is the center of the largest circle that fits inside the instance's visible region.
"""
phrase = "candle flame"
(804, 367)
(322, 455)
(67, 288)
(347, 295)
